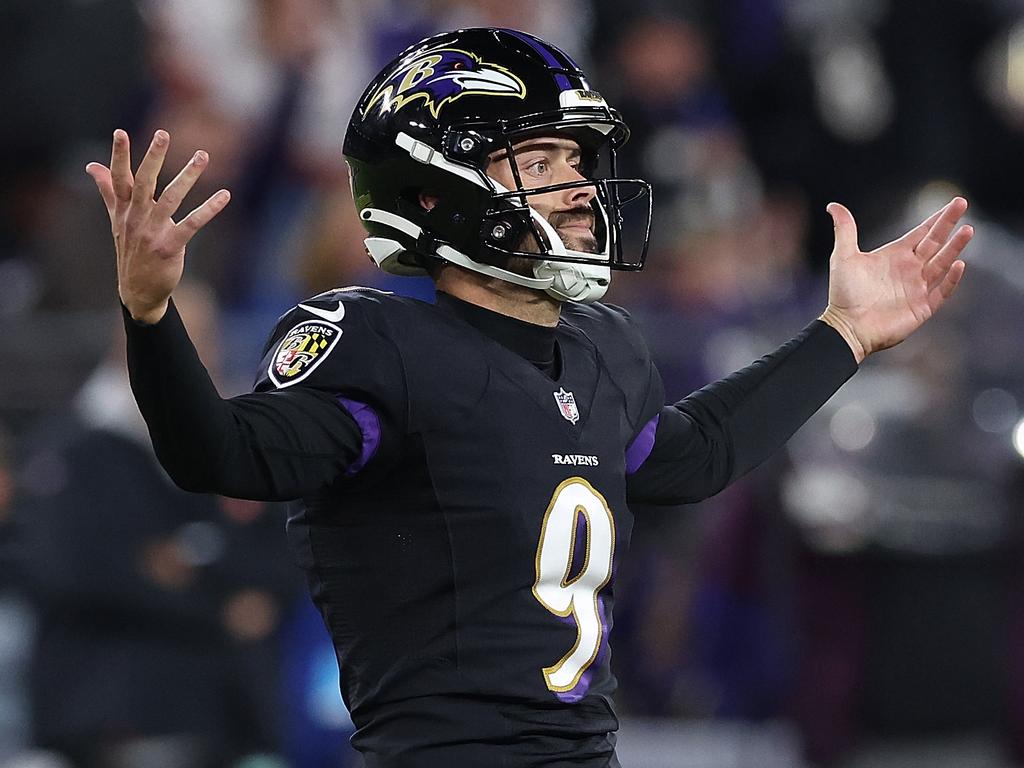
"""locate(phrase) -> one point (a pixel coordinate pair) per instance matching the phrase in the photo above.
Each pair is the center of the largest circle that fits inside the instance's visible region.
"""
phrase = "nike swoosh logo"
(331, 315)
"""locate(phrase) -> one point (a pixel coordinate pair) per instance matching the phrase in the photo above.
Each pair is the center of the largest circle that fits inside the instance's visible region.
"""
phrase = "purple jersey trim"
(642, 445)
(369, 425)
(561, 80)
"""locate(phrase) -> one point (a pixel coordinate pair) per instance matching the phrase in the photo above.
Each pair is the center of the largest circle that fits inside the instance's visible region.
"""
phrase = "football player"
(466, 468)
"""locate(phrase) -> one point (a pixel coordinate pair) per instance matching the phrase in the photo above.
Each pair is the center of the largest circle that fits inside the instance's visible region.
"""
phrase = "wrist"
(844, 328)
(146, 315)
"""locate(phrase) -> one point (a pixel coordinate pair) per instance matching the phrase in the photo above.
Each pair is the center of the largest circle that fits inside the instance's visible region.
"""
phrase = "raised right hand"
(150, 245)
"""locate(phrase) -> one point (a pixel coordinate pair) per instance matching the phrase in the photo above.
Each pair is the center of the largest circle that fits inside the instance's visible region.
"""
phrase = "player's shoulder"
(320, 338)
(353, 307)
(596, 311)
(357, 300)
(605, 320)
(613, 331)
(624, 355)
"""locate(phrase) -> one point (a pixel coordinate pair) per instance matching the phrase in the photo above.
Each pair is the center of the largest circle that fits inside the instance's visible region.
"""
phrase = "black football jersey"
(465, 565)
(465, 509)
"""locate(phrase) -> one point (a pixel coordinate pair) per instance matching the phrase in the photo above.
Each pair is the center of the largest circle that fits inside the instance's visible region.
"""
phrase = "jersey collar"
(535, 343)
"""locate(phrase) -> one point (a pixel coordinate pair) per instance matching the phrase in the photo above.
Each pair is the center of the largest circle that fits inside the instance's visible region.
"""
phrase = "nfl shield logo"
(567, 405)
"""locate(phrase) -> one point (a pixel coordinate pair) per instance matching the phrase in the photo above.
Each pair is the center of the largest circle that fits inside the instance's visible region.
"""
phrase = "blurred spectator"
(855, 102)
(15, 619)
(7, 551)
(905, 497)
(400, 23)
(267, 88)
(699, 633)
(566, 24)
(683, 137)
(874, 594)
(317, 724)
(158, 610)
(60, 108)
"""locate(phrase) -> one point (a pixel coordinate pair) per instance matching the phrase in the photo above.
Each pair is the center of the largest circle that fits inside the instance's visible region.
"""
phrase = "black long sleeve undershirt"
(271, 446)
(722, 431)
(288, 443)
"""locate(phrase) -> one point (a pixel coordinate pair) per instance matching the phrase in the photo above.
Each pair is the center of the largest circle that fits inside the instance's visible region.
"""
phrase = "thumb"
(846, 228)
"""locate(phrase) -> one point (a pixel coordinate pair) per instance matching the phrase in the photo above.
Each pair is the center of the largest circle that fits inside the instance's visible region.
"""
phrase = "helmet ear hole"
(469, 146)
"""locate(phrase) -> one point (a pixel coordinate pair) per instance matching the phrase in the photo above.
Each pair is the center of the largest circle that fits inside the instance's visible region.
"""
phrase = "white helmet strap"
(385, 252)
(562, 280)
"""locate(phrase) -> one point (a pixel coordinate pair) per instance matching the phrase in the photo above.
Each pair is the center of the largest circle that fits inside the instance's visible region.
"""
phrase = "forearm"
(271, 446)
(719, 433)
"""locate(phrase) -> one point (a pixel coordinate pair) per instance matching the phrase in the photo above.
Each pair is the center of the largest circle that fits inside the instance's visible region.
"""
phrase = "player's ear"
(428, 200)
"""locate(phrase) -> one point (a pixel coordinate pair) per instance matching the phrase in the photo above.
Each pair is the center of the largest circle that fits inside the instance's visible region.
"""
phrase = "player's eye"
(538, 167)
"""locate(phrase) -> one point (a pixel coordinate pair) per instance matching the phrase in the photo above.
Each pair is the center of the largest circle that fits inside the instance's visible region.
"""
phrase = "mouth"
(578, 236)
(580, 227)
(576, 228)
(579, 223)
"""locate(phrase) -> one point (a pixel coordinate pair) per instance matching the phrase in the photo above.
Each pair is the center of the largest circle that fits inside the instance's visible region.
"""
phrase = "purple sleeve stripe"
(369, 425)
(642, 445)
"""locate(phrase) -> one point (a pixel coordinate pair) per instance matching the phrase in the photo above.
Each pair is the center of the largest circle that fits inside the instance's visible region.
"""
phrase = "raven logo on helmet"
(413, 137)
(442, 75)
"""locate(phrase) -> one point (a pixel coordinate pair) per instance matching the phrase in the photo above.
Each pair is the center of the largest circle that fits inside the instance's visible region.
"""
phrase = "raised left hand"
(878, 298)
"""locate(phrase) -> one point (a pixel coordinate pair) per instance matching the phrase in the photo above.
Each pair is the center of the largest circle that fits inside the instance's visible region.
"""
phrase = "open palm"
(878, 298)
(150, 245)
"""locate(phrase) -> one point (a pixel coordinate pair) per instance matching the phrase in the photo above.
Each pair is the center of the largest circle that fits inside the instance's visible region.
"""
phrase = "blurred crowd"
(865, 588)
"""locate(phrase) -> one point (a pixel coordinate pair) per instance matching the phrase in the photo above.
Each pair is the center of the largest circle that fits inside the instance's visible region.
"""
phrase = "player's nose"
(576, 197)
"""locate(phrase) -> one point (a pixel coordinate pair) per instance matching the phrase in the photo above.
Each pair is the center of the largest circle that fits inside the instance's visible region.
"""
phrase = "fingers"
(121, 173)
(101, 175)
(941, 228)
(945, 289)
(942, 262)
(145, 178)
(916, 235)
(175, 192)
(846, 228)
(129, 199)
(186, 229)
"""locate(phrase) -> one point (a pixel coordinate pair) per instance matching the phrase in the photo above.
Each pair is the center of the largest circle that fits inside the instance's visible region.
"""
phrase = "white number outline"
(579, 595)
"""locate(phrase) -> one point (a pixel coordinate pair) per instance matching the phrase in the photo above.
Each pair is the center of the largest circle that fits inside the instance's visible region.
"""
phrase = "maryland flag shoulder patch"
(302, 349)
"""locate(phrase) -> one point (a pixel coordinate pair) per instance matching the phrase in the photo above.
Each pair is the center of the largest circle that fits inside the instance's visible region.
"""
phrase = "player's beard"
(574, 238)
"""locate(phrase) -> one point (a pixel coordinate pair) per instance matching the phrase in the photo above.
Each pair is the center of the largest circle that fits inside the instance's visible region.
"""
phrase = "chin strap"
(385, 252)
(538, 283)
(566, 282)
(574, 282)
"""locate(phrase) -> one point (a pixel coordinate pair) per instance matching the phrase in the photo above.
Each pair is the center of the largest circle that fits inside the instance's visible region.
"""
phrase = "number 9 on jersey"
(578, 516)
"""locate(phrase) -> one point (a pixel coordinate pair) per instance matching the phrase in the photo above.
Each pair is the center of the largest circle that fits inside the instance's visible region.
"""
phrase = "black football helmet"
(430, 122)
